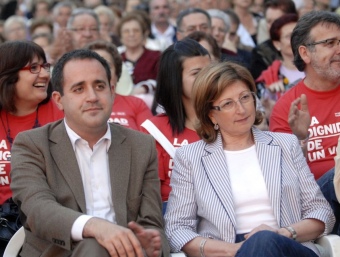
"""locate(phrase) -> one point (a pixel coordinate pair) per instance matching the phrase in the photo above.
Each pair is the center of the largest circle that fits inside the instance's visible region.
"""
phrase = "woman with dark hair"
(208, 42)
(281, 74)
(180, 63)
(25, 103)
(240, 191)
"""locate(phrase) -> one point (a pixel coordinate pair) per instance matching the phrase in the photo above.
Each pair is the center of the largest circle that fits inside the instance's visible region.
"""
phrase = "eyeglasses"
(35, 68)
(330, 43)
(83, 30)
(229, 104)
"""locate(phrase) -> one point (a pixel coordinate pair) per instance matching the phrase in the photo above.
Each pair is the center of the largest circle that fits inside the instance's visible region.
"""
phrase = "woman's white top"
(291, 75)
(245, 37)
(251, 201)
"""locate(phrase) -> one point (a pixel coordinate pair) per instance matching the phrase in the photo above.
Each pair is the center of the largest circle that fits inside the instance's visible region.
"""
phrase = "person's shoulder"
(43, 132)
(51, 111)
(130, 134)
(193, 148)
(278, 135)
(129, 99)
(288, 97)
(152, 53)
(264, 47)
(280, 138)
(160, 121)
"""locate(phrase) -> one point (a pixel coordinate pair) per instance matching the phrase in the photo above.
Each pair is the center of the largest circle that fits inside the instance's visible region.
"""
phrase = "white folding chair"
(329, 246)
(14, 245)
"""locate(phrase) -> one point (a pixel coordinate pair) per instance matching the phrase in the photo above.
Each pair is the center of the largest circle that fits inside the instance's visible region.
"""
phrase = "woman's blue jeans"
(327, 188)
(269, 244)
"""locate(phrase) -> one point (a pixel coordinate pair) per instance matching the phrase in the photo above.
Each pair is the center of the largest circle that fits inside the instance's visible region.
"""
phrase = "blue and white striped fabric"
(201, 201)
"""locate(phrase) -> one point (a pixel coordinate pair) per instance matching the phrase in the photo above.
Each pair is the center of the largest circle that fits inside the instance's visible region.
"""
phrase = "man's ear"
(304, 54)
(56, 96)
(113, 88)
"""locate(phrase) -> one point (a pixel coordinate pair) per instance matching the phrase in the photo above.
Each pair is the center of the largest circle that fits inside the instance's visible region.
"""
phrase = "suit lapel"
(62, 150)
(216, 168)
(120, 163)
(269, 156)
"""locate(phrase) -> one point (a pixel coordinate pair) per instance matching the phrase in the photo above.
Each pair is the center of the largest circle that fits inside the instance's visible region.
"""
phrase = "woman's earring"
(216, 127)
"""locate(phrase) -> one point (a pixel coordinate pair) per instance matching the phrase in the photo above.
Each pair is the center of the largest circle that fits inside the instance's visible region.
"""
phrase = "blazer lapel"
(62, 150)
(216, 168)
(269, 156)
(119, 163)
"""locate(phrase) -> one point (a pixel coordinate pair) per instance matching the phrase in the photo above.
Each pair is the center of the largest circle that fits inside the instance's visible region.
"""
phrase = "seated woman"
(24, 102)
(141, 62)
(222, 205)
(281, 75)
(180, 63)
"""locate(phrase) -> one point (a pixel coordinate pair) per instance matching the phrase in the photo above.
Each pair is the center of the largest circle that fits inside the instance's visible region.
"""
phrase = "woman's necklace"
(8, 133)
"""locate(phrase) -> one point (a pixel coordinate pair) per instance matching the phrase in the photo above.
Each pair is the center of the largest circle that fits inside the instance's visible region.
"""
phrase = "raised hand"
(299, 118)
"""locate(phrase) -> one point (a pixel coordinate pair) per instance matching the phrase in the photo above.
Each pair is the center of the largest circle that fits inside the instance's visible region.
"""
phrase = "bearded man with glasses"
(316, 123)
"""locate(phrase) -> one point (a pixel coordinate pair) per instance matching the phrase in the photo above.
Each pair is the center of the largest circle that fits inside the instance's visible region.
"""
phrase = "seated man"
(315, 44)
(86, 187)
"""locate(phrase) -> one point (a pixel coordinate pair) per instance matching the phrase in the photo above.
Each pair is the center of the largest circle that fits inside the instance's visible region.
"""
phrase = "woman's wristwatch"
(292, 232)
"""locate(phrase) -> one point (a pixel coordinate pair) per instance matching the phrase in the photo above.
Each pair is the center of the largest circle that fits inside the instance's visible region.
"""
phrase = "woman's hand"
(260, 228)
(150, 239)
(276, 87)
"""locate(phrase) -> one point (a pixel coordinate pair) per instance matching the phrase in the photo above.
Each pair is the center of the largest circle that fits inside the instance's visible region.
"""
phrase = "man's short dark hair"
(80, 54)
(186, 12)
(301, 32)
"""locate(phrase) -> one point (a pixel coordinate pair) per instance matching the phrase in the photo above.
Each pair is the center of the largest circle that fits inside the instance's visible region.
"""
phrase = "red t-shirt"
(47, 113)
(129, 111)
(324, 109)
(165, 162)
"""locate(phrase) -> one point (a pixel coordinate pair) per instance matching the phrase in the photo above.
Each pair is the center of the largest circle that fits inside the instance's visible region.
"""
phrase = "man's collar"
(168, 32)
(74, 137)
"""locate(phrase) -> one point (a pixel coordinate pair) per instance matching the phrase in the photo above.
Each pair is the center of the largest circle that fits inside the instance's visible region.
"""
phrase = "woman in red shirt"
(179, 66)
(24, 101)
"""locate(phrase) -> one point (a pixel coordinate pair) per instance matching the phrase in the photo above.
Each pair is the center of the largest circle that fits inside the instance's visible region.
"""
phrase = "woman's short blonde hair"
(209, 85)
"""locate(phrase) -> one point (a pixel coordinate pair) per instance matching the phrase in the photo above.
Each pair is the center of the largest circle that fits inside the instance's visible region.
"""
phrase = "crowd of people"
(125, 126)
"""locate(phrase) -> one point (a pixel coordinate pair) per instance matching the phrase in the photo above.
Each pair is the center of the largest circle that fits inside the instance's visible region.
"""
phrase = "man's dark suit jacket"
(47, 185)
